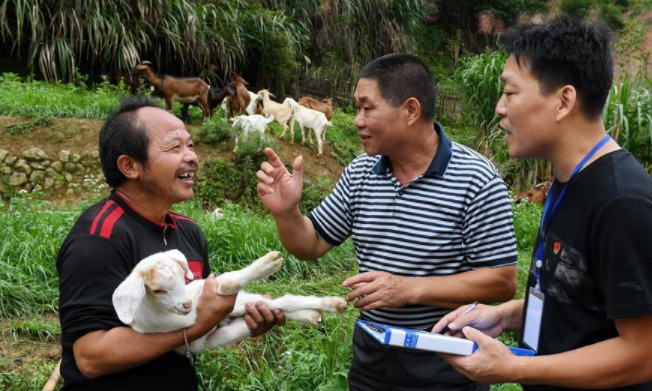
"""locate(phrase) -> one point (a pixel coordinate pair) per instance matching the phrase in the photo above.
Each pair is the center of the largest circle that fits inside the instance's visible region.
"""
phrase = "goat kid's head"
(140, 68)
(161, 278)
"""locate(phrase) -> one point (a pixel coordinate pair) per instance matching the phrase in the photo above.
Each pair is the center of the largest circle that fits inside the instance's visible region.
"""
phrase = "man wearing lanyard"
(588, 306)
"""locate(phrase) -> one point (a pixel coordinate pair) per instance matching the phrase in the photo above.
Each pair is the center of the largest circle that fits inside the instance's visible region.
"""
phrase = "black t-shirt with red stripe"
(105, 244)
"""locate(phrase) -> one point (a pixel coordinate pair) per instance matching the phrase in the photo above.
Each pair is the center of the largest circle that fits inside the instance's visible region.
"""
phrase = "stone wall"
(33, 170)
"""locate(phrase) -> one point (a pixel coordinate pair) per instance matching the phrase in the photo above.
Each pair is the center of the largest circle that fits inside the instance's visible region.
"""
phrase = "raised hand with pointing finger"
(278, 189)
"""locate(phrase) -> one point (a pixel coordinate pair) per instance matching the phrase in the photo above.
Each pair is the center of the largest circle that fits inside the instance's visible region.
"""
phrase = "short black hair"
(123, 134)
(401, 76)
(567, 51)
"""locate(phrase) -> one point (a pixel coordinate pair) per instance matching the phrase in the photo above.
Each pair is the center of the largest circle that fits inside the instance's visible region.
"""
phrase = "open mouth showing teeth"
(187, 176)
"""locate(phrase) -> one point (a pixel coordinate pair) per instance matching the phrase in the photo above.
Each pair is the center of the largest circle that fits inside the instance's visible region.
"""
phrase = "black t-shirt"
(102, 248)
(597, 258)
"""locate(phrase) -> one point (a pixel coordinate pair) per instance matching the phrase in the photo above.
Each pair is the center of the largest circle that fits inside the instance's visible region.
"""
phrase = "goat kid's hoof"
(268, 264)
(334, 304)
(311, 317)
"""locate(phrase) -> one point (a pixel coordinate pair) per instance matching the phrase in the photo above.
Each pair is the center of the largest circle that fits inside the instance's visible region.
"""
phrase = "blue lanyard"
(543, 227)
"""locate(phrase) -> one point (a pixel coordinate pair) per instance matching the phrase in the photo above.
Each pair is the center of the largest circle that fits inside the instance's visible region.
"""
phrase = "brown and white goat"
(241, 99)
(184, 90)
(155, 298)
(536, 194)
(325, 106)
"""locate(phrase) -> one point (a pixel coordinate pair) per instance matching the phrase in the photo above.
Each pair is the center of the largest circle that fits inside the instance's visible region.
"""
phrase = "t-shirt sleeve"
(488, 231)
(90, 267)
(332, 219)
(622, 242)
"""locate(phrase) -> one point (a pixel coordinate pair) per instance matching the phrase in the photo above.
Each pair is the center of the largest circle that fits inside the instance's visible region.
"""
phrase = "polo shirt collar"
(152, 225)
(439, 163)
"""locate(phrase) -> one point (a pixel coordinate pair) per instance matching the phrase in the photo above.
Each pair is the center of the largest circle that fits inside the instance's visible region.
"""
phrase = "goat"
(283, 114)
(536, 194)
(311, 119)
(215, 97)
(155, 298)
(290, 102)
(325, 106)
(218, 213)
(250, 122)
(241, 100)
(185, 90)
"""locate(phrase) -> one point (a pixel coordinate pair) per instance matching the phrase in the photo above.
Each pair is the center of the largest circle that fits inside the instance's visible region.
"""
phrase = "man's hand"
(491, 363)
(483, 317)
(260, 319)
(377, 290)
(279, 190)
(211, 309)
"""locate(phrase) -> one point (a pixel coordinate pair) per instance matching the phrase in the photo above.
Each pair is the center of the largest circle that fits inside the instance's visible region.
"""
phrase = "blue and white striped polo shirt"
(453, 218)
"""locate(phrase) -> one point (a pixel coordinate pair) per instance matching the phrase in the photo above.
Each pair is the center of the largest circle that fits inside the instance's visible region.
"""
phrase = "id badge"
(533, 316)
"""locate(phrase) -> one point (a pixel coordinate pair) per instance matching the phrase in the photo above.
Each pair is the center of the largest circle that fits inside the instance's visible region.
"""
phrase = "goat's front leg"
(227, 335)
(233, 282)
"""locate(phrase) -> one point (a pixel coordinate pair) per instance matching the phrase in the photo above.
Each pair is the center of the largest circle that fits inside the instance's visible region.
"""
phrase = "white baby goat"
(155, 298)
(246, 123)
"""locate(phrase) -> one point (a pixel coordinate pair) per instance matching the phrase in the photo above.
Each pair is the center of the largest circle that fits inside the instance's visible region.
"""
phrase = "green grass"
(294, 357)
(32, 98)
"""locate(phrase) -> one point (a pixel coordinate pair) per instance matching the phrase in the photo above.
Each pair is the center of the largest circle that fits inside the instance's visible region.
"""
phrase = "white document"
(533, 316)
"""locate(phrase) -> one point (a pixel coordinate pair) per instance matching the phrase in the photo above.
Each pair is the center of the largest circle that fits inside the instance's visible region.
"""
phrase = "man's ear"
(567, 96)
(129, 167)
(412, 110)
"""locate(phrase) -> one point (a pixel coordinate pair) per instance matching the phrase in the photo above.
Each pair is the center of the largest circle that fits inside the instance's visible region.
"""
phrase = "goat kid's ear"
(181, 259)
(128, 296)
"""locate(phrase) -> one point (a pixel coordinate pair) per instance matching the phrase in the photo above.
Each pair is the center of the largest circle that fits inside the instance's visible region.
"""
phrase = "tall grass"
(628, 116)
(32, 98)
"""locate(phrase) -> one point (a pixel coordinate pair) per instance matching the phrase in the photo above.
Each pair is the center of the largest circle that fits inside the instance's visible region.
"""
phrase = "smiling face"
(171, 159)
(378, 123)
(528, 116)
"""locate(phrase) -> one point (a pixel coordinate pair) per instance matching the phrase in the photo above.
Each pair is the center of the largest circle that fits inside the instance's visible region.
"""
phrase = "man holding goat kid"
(430, 219)
(148, 159)
(588, 304)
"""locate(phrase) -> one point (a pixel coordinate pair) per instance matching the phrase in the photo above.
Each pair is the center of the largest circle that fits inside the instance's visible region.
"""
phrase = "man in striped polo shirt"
(430, 219)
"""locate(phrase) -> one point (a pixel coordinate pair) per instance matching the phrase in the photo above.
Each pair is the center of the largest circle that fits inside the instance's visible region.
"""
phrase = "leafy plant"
(628, 116)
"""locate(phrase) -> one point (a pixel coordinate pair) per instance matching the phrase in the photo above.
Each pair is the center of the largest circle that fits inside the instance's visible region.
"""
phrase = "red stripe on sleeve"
(109, 222)
(99, 216)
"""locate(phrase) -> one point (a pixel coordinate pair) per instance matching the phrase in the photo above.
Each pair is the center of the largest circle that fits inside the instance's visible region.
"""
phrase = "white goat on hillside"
(310, 119)
(246, 123)
(154, 298)
(283, 114)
